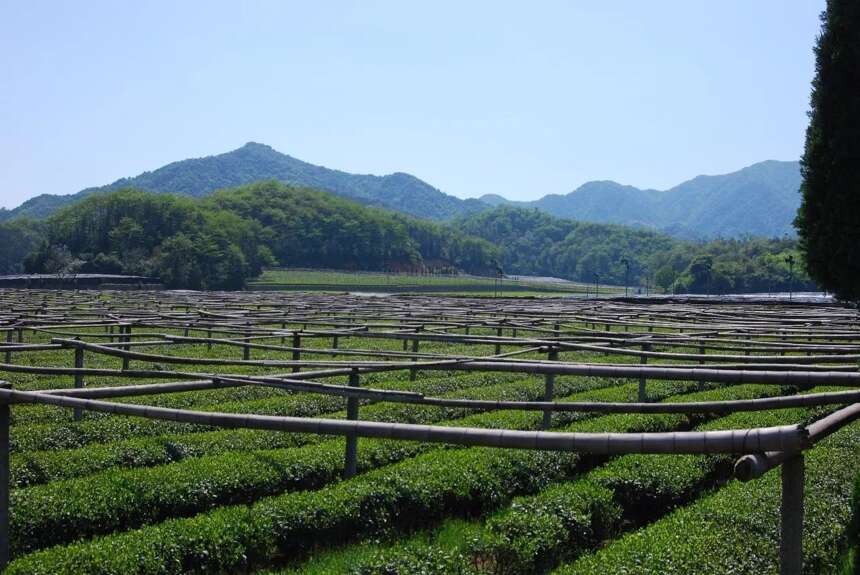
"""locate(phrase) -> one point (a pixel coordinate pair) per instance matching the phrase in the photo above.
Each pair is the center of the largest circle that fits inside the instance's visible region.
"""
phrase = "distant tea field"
(288, 432)
(439, 284)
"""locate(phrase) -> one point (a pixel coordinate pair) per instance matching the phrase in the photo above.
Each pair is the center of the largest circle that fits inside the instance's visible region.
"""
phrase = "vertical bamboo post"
(413, 373)
(9, 342)
(20, 334)
(549, 381)
(126, 338)
(701, 362)
(498, 348)
(4, 481)
(643, 392)
(351, 456)
(79, 378)
(791, 517)
(297, 344)
(246, 349)
(209, 337)
(334, 345)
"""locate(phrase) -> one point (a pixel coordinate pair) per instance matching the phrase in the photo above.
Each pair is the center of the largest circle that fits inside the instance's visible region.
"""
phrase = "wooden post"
(643, 393)
(246, 350)
(351, 457)
(79, 379)
(791, 517)
(498, 349)
(297, 343)
(9, 342)
(20, 334)
(185, 331)
(209, 337)
(4, 482)
(549, 381)
(126, 338)
(413, 373)
(701, 362)
(334, 345)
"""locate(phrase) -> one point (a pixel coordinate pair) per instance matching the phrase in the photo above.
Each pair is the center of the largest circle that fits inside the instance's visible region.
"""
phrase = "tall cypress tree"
(829, 218)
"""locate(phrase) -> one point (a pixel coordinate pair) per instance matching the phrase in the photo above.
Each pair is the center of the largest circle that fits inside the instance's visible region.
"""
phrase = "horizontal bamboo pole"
(728, 406)
(755, 465)
(784, 438)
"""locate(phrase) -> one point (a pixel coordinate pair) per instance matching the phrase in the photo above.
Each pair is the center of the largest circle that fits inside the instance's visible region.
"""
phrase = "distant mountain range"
(758, 200)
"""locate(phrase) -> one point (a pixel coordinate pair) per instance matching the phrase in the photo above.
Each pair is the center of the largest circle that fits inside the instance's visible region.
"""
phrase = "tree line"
(535, 243)
(220, 241)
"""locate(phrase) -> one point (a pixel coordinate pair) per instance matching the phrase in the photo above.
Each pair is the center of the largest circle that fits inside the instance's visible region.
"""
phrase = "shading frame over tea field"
(194, 437)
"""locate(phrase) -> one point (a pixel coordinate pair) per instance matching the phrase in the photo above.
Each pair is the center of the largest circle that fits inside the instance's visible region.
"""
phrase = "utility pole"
(789, 259)
(626, 263)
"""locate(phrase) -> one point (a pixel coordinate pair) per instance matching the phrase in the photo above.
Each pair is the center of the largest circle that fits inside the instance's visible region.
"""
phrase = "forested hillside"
(760, 200)
(219, 241)
(254, 162)
(535, 243)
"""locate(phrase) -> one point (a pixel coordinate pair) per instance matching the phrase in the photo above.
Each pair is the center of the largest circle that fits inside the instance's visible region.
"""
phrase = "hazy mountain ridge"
(759, 200)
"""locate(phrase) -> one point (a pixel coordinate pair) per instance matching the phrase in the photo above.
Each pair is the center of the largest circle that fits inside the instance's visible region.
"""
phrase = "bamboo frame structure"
(793, 346)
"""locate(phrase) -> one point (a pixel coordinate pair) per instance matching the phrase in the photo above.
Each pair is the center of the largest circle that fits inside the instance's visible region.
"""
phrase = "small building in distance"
(78, 281)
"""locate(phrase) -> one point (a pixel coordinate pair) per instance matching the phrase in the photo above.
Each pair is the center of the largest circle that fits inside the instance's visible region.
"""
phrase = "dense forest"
(535, 243)
(221, 240)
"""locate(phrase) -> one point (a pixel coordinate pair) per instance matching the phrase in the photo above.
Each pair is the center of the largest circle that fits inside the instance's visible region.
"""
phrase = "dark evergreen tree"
(829, 217)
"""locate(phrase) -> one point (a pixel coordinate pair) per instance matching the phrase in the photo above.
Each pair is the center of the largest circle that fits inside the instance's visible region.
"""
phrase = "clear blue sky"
(516, 98)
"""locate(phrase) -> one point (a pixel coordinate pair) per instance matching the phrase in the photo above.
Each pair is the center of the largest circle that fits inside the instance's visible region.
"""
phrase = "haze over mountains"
(761, 199)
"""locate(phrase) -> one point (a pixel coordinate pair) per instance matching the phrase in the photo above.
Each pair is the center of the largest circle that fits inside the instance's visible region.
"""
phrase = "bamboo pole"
(351, 456)
(643, 391)
(79, 379)
(787, 437)
(5, 487)
(297, 354)
(791, 517)
(549, 384)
